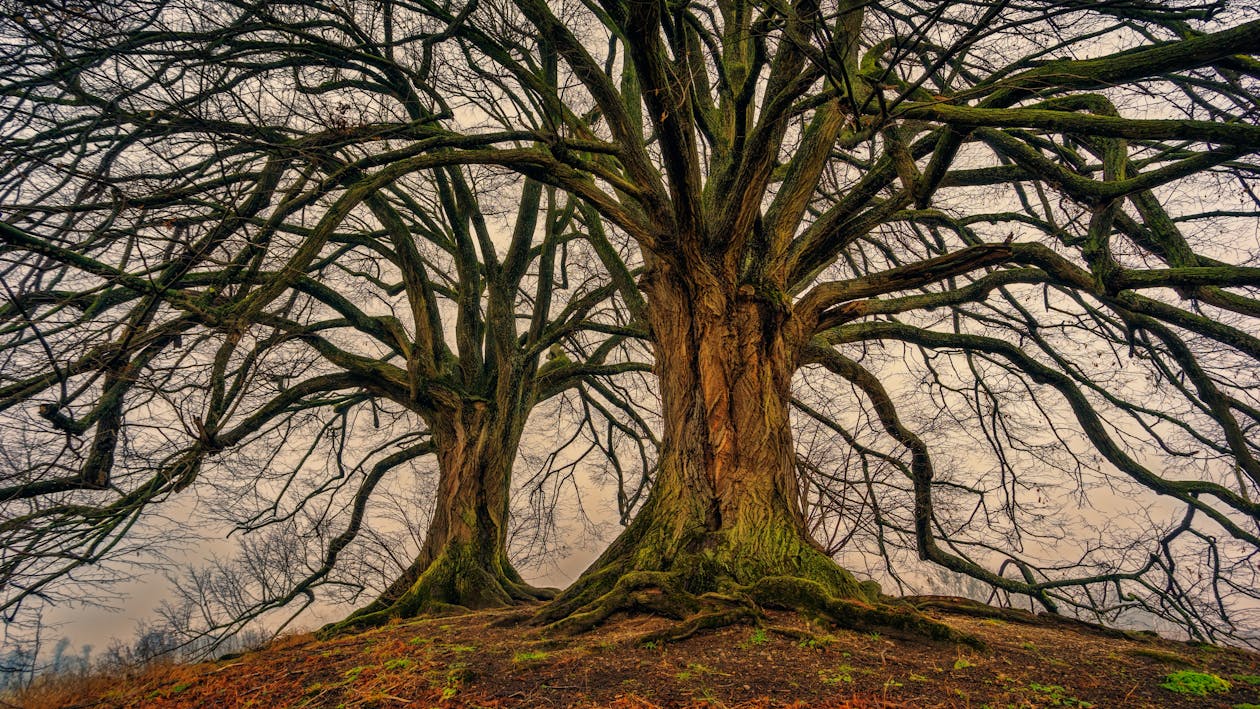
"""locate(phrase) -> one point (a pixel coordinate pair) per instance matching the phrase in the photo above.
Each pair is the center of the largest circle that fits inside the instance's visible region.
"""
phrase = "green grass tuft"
(1199, 684)
(529, 656)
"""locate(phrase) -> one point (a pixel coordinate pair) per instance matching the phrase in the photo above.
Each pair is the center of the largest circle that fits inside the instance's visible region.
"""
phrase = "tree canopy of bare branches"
(998, 259)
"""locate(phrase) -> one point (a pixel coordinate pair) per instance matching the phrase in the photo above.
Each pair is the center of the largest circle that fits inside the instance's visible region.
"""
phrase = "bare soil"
(486, 660)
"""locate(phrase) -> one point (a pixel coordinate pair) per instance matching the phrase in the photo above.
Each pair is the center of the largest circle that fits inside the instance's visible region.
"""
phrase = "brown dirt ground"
(476, 660)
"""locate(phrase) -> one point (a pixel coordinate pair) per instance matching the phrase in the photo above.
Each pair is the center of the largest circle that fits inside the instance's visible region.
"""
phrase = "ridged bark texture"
(725, 510)
(463, 563)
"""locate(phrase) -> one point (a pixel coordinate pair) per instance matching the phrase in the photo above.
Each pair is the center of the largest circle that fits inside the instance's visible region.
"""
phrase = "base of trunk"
(459, 580)
(717, 578)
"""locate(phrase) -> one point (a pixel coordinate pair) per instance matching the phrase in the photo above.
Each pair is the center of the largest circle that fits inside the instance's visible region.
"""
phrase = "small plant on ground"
(816, 641)
(1056, 696)
(758, 637)
(398, 663)
(1199, 684)
(963, 663)
(695, 669)
(529, 656)
(456, 676)
(843, 673)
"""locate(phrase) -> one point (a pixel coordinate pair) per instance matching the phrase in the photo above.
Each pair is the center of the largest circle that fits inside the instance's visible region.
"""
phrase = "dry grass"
(472, 661)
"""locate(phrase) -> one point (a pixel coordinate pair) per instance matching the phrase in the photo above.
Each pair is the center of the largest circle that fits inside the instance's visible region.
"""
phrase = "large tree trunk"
(725, 510)
(463, 563)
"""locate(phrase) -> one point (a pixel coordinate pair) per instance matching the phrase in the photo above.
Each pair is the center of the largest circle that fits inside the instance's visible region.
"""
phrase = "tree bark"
(725, 509)
(463, 563)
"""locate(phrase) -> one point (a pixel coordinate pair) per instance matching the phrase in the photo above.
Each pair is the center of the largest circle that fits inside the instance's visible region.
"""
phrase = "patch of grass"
(354, 672)
(528, 656)
(842, 674)
(994, 621)
(1028, 645)
(458, 649)
(694, 669)
(915, 677)
(1245, 705)
(963, 663)
(707, 696)
(457, 675)
(1199, 684)
(398, 663)
(816, 642)
(1056, 696)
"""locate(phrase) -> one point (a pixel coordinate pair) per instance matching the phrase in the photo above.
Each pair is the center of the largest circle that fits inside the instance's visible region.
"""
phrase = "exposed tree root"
(514, 618)
(656, 592)
(455, 583)
(975, 609)
(810, 597)
(704, 620)
(663, 593)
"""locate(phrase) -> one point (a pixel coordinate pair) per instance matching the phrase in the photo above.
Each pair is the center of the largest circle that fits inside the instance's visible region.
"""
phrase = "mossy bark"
(463, 563)
(725, 510)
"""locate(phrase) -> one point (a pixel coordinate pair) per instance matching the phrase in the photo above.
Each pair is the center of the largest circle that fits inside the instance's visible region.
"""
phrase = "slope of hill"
(488, 659)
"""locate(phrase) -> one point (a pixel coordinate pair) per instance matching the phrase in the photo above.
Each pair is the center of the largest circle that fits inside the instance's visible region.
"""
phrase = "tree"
(793, 175)
(232, 264)
(997, 193)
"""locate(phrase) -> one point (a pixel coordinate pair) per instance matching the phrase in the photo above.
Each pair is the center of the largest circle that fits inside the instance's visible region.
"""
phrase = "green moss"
(529, 656)
(1193, 682)
(464, 576)
(1056, 696)
(840, 675)
(1164, 656)
(1252, 680)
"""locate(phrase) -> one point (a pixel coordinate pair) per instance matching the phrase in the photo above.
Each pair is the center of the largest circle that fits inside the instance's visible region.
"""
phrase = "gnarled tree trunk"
(463, 563)
(725, 510)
